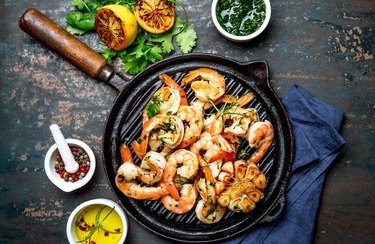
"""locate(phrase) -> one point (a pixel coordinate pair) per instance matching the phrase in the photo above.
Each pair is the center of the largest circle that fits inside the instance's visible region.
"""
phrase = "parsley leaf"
(139, 55)
(86, 5)
(108, 54)
(152, 109)
(75, 31)
(80, 23)
(165, 42)
(155, 54)
(80, 4)
(134, 65)
(186, 40)
(166, 39)
(243, 154)
(135, 59)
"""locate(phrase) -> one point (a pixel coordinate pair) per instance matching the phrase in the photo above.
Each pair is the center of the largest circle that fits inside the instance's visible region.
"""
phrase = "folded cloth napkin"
(315, 126)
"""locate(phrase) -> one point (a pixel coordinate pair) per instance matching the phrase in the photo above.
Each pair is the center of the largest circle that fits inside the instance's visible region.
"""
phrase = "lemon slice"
(155, 16)
(116, 26)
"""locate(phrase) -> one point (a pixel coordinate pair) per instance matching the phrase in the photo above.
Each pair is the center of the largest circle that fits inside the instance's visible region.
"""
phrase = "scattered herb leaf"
(139, 55)
(243, 154)
(186, 40)
(166, 39)
(108, 54)
(80, 23)
(153, 107)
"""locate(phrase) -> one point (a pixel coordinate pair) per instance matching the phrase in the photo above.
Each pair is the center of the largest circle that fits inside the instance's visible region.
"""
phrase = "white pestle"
(71, 166)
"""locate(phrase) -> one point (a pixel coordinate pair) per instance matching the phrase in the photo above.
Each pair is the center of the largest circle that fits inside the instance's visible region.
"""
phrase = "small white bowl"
(70, 226)
(235, 38)
(49, 167)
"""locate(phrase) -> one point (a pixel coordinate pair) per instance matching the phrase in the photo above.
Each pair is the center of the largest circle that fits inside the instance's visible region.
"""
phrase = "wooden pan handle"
(61, 42)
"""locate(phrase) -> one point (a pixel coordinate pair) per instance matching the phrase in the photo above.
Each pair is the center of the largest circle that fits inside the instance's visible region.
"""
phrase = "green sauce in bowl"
(240, 17)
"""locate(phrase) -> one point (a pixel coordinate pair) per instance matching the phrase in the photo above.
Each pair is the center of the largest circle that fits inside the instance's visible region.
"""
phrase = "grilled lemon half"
(116, 26)
(155, 16)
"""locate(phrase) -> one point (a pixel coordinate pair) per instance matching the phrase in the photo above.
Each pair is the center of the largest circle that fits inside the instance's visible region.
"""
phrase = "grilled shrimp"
(152, 168)
(232, 139)
(260, 135)
(157, 145)
(128, 172)
(150, 171)
(139, 192)
(244, 100)
(215, 167)
(166, 99)
(168, 81)
(208, 212)
(256, 132)
(193, 122)
(154, 142)
(183, 163)
(184, 203)
(206, 190)
(171, 132)
(206, 170)
(238, 120)
(213, 147)
(207, 84)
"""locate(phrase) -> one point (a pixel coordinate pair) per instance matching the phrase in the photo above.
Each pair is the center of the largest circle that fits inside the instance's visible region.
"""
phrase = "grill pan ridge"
(124, 125)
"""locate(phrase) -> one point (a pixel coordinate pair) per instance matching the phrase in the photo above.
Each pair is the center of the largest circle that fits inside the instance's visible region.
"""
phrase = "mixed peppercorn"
(83, 160)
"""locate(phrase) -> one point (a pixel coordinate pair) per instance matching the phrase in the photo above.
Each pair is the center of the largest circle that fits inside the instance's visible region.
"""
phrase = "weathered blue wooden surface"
(325, 46)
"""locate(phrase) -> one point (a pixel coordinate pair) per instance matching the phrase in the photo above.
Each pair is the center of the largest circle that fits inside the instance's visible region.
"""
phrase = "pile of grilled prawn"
(188, 151)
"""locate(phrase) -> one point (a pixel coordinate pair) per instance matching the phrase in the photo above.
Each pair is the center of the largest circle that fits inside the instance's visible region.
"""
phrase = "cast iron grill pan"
(124, 125)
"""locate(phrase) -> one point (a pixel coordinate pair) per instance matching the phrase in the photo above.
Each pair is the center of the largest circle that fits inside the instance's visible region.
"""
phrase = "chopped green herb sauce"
(241, 17)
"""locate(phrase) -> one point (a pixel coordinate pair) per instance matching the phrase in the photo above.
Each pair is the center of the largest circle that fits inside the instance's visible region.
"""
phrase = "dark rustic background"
(325, 46)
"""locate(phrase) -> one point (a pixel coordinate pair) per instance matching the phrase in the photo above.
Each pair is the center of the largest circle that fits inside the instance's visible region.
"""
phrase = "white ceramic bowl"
(49, 167)
(70, 226)
(240, 38)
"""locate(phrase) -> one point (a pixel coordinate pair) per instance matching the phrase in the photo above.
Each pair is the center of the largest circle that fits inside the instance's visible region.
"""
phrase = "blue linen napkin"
(315, 126)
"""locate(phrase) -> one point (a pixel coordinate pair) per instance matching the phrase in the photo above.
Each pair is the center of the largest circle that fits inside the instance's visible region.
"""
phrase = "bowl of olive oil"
(241, 20)
(97, 221)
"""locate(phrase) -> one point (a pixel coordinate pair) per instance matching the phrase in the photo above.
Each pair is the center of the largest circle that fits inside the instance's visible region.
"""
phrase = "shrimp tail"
(206, 169)
(126, 154)
(227, 156)
(137, 149)
(145, 117)
(168, 180)
(173, 84)
(141, 148)
(228, 151)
